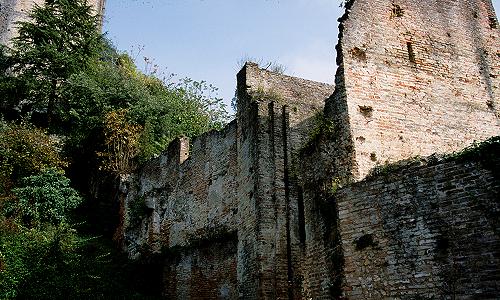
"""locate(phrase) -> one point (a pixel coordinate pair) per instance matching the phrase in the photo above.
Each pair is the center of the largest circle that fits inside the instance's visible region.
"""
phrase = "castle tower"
(12, 11)
(414, 78)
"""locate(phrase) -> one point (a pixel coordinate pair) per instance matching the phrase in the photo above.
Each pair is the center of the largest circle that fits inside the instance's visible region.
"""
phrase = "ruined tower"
(12, 11)
(415, 78)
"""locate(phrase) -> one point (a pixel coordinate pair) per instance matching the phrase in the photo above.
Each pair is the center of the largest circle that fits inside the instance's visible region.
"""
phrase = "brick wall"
(205, 272)
(416, 77)
(184, 195)
(289, 186)
(239, 181)
(286, 111)
(189, 205)
(424, 230)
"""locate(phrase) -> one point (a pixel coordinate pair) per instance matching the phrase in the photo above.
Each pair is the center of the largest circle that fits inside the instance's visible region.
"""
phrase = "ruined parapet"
(13, 11)
(303, 97)
(414, 78)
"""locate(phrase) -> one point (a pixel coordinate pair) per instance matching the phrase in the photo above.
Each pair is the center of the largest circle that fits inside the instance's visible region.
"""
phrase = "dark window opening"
(397, 11)
(493, 23)
(302, 218)
(411, 53)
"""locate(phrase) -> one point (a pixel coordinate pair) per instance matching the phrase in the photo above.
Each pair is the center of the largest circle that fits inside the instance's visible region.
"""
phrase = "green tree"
(45, 197)
(61, 39)
(164, 111)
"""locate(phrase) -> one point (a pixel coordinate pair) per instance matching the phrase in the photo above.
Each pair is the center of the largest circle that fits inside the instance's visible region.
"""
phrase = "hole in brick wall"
(397, 11)
(366, 111)
(358, 53)
(361, 139)
(493, 23)
(442, 244)
(411, 52)
(373, 156)
(474, 14)
(365, 241)
(490, 104)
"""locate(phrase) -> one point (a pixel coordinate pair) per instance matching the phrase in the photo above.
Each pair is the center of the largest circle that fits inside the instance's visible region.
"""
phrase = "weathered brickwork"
(205, 272)
(416, 77)
(424, 231)
(238, 181)
(284, 203)
(12, 11)
(183, 197)
(287, 108)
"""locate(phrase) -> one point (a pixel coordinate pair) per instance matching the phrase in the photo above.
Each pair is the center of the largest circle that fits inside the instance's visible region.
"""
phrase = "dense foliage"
(55, 262)
(164, 111)
(45, 197)
(25, 151)
(73, 106)
(61, 74)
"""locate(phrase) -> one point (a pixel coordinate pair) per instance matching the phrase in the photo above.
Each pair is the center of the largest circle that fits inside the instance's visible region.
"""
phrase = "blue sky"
(205, 39)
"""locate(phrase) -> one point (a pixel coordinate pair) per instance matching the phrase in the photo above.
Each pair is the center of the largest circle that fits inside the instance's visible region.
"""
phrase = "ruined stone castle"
(362, 190)
(366, 189)
(13, 11)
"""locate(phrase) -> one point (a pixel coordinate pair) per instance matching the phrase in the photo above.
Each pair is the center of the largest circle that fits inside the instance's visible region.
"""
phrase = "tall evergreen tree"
(61, 39)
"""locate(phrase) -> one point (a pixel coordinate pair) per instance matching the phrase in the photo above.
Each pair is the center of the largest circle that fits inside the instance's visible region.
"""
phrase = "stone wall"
(207, 271)
(12, 11)
(234, 190)
(415, 77)
(424, 229)
(278, 205)
(287, 110)
(183, 196)
(181, 202)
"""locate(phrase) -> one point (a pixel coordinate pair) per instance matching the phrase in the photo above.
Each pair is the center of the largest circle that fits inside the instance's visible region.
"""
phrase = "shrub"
(46, 197)
(24, 151)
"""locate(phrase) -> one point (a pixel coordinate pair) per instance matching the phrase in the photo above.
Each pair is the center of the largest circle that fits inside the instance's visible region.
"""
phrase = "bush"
(164, 111)
(55, 262)
(25, 151)
(46, 197)
(29, 253)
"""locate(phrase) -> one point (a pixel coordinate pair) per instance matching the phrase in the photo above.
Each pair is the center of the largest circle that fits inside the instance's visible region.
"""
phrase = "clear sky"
(206, 39)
